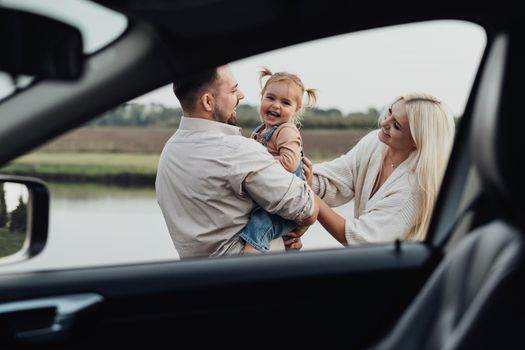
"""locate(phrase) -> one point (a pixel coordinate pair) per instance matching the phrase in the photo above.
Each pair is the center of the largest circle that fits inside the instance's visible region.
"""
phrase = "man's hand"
(295, 241)
(307, 171)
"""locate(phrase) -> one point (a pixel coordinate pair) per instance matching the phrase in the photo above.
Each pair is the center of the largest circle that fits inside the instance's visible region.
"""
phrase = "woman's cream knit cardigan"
(390, 213)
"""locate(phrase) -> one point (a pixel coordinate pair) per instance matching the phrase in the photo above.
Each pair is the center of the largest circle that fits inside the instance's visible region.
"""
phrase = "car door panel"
(353, 295)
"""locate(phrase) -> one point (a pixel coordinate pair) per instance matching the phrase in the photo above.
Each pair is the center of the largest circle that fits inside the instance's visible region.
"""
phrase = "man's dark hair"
(187, 87)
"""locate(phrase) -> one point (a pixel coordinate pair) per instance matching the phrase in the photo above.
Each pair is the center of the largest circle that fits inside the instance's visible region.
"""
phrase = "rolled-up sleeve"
(280, 192)
(254, 173)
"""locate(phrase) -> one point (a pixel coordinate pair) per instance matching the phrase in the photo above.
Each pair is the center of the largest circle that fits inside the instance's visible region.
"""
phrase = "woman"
(393, 174)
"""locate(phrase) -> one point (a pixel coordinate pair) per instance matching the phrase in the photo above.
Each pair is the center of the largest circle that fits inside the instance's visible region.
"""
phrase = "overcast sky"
(353, 72)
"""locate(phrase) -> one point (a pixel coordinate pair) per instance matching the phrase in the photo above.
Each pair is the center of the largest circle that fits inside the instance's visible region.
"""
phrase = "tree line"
(150, 115)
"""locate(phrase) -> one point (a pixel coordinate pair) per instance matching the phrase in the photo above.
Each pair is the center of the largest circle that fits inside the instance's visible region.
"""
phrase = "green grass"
(10, 242)
(93, 162)
(118, 168)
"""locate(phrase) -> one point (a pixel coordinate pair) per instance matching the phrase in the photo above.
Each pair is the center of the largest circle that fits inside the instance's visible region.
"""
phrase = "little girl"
(281, 107)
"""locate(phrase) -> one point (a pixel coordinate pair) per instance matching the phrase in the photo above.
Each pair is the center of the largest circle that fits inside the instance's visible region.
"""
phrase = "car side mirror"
(24, 213)
(39, 46)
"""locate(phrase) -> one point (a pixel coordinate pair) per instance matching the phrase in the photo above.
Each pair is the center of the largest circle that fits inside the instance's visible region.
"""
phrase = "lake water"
(92, 225)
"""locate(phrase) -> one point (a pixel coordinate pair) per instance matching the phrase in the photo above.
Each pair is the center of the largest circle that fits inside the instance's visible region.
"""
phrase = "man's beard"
(232, 120)
(218, 116)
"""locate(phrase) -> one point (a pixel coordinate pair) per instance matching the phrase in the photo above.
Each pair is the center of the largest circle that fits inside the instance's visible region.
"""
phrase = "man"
(210, 177)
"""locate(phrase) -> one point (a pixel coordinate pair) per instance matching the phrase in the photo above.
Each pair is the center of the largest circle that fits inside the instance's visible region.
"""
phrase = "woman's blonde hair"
(433, 129)
(291, 80)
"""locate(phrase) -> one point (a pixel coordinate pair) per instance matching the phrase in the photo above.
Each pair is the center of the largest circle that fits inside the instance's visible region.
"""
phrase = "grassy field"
(10, 242)
(129, 156)
(127, 169)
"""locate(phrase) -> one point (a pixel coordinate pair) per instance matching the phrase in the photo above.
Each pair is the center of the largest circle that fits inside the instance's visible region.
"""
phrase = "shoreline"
(119, 179)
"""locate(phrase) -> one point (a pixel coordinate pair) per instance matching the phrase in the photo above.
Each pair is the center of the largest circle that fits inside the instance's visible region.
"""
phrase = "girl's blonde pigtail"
(312, 97)
(264, 72)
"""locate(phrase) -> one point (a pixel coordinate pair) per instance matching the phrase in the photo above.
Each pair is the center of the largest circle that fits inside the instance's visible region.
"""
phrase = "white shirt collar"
(189, 123)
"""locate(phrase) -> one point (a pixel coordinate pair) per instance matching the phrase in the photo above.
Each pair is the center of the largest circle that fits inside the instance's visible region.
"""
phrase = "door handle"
(22, 315)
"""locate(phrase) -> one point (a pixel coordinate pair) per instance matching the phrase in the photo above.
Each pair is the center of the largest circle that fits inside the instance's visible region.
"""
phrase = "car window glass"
(101, 176)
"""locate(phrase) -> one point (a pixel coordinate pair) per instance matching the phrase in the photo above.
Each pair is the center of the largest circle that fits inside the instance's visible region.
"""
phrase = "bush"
(18, 221)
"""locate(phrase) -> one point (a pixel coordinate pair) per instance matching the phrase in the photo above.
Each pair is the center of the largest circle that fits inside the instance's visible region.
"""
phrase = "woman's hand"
(307, 171)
